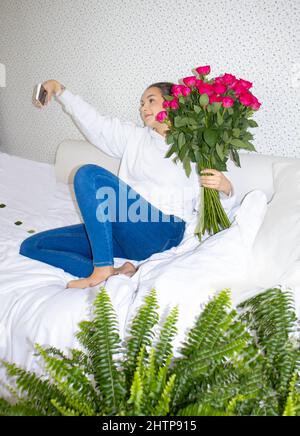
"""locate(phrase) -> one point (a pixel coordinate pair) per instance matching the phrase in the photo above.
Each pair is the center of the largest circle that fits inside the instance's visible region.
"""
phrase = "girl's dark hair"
(165, 87)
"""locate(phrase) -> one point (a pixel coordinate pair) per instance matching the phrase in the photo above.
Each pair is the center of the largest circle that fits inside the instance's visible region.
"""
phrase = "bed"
(35, 306)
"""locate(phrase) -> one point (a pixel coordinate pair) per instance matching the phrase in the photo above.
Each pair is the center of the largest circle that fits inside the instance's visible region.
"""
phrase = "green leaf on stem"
(250, 146)
(183, 151)
(219, 150)
(187, 166)
(204, 100)
(197, 109)
(181, 139)
(225, 136)
(252, 123)
(170, 139)
(172, 150)
(169, 97)
(180, 121)
(235, 157)
(210, 136)
(220, 120)
(236, 132)
(237, 143)
(215, 107)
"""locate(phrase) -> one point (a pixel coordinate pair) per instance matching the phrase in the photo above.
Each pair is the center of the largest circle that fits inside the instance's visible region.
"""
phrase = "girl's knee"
(87, 172)
(28, 245)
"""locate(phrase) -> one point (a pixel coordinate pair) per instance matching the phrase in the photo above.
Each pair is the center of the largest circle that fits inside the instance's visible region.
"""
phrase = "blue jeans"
(118, 222)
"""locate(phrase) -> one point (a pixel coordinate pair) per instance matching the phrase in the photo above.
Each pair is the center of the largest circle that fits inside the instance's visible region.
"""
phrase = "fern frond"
(271, 315)
(136, 394)
(20, 409)
(102, 341)
(292, 405)
(63, 410)
(207, 327)
(163, 406)
(72, 383)
(141, 331)
(167, 334)
(199, 409)
(37, 392)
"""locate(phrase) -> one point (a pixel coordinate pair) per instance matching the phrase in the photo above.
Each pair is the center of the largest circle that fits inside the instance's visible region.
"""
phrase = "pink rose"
(255, 106)
(247, 85)
(219, 80)
(185, 90)
(206, 88)
(215, 99)
(255, 103)
(227, 101)
(219, 88)
(161, 116)
(174, 104)
(228, 79)
(246, 99)
(198, 82)
(238, 88)
(176, 90)
(203, 71)
(166, 104)
(190, 81)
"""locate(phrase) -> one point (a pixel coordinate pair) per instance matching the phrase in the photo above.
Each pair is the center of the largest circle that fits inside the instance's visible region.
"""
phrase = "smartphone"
(41, 94)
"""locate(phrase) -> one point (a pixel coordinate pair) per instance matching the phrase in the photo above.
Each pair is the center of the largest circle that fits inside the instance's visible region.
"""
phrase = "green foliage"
(232, 362)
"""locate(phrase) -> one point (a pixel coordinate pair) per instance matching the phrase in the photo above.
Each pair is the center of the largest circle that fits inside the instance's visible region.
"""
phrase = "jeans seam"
(70, 254)
(108, 246)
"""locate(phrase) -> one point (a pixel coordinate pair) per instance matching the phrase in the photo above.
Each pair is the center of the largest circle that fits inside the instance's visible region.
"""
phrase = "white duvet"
(35, 306)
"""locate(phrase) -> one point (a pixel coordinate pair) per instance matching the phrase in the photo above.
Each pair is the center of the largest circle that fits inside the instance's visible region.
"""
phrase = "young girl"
(148, 182)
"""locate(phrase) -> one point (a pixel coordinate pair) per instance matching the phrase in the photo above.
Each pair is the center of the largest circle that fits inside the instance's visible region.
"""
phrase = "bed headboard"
(255, 171)
(72, 153)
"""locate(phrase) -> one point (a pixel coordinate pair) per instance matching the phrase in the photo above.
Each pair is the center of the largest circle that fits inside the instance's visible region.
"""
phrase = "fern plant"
(232, 362)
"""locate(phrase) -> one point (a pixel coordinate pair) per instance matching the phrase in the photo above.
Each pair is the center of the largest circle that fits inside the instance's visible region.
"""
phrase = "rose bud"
(246, 99)
(219, 88)
(190, 81)
(206, 88)
(174, 104)
(215, 99)
(247, 85)
(227, 102)
(203, 71)
(228, 79)
(176, 90)
(161, 116)
(185, 90)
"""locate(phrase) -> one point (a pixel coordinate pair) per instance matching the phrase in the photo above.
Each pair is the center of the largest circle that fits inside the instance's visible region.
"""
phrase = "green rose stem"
(212, 217)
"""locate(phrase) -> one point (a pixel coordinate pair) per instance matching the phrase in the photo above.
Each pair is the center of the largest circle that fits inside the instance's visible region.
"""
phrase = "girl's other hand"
(216, 180)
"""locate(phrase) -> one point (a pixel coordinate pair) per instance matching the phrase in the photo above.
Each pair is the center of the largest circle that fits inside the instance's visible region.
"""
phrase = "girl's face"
(151, 104)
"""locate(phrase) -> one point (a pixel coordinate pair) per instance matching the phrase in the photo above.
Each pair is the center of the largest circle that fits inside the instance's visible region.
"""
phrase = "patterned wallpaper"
(109, 51)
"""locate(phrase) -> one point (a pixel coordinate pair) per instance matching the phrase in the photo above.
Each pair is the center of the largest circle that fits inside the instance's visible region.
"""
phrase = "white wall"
(108, 51)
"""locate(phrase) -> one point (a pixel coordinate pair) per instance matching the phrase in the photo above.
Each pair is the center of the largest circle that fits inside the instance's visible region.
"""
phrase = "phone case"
(41, 94)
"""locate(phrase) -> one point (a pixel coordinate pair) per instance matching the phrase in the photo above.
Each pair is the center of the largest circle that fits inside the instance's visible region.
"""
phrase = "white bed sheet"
(35, 306)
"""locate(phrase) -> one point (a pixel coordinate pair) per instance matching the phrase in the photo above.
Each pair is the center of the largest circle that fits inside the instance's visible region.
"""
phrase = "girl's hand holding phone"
(45, 91)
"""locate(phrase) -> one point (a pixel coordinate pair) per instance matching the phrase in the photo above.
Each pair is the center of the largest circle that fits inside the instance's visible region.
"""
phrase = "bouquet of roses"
(208, 122)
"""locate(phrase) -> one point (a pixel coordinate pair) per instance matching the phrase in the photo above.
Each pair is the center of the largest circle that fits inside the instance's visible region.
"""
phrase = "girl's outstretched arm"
(107, 133)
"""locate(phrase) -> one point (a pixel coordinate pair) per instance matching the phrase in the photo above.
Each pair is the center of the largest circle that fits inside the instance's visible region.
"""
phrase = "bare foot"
(127, 268)
(99, 274)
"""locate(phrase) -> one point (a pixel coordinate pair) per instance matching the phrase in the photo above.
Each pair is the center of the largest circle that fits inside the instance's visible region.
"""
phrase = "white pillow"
(277, 244)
